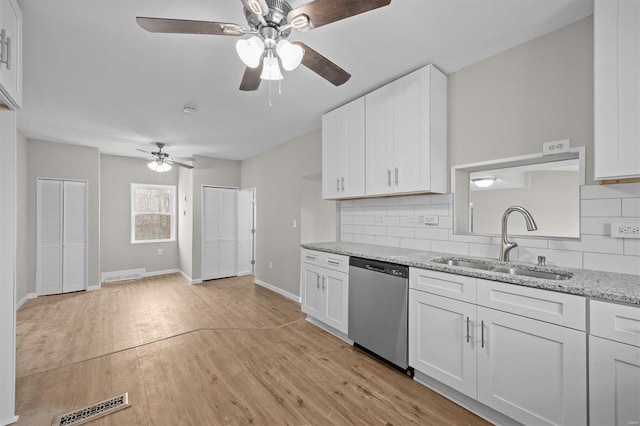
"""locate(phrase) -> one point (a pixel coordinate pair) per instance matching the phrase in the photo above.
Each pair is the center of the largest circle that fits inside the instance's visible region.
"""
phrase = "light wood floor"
(226, 352)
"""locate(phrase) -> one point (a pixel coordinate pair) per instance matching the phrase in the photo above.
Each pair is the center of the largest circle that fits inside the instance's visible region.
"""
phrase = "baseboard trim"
(188, 278)
(93, 287)
(10, 420)
(243, 273)
(163, 272)
(278, 290)
(24, 300)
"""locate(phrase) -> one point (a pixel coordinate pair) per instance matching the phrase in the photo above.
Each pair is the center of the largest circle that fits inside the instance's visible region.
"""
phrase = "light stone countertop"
(596, 284)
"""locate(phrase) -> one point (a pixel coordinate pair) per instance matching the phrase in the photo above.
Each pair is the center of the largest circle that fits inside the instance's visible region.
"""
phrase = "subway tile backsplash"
(397, 222)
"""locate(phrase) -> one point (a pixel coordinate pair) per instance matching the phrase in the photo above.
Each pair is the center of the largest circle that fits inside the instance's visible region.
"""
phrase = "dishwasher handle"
(373, 268)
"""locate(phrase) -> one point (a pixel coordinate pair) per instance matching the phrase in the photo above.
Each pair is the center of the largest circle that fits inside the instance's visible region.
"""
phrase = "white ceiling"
(93, 77)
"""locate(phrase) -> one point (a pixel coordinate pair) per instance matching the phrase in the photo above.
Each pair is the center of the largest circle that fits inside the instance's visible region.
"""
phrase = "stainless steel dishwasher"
(378, 313)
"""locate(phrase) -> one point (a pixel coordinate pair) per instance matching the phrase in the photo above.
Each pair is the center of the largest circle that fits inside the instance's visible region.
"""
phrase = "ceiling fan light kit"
(159, 166)
(270, 22)
(162, 162)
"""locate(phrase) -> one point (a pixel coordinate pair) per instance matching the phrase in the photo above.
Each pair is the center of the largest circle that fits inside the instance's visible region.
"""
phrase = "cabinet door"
(532, 371)
(617, 88)
(380, 173)
(10, 77)
(333, 131)
(335, 288)
(614, 383)
(310, 278)
(411, 132)
(441, 340)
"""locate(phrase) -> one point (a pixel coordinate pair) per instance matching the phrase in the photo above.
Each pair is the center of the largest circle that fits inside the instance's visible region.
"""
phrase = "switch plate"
(625, 230)
(160, 252)
(556, 147)
(295, 223)
(431, 219)
(270, 265)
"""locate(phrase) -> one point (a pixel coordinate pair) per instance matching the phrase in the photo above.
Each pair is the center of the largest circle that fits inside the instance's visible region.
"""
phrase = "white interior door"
(246, 231)
(49, 237)
(219, 232)
(74, 230)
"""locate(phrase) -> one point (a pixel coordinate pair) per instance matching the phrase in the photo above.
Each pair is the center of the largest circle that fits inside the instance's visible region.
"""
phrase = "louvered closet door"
(229, 233)
(49, 237)
(74, 229)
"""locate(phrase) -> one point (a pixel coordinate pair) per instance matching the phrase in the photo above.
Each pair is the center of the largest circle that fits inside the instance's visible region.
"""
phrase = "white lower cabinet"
(324, 284)
(614, 364)
(441, 341)
(532, 371)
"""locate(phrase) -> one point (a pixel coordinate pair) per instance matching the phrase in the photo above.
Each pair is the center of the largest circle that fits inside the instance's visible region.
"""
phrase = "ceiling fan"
(161, 162)
(270, 22)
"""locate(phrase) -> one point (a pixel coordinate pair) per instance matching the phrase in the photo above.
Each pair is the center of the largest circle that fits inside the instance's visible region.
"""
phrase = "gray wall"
(185, 221)
(23, 285)
(276, 176)
(117, 253)
(511, 103)
(62, 161)
(214, 172)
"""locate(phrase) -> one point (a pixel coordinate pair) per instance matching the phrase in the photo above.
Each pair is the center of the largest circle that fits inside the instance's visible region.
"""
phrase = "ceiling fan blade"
(183, 26)
(182, 158)
(177, 163)
(142, 150)
(323, 12)
(251, 79)
(322, 66)
(259, 7)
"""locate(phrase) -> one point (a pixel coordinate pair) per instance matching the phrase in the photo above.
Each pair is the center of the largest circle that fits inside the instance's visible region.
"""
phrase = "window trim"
(132, 213)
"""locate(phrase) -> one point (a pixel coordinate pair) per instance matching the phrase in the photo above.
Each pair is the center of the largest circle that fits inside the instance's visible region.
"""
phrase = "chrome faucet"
(506, 245)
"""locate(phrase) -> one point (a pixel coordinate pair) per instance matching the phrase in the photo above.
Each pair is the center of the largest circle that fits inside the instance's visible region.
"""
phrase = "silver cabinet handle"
(389, 177)
(337, 184)
(3, 47)
(310, 257)
(468, 335)
(318, 282)
(482, 333)
(342, 184)
(8, 53)
(324, 279)
(333, 262)
(396, 176)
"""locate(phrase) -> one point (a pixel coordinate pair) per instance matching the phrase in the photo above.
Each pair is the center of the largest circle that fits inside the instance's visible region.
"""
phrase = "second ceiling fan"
(270, 23)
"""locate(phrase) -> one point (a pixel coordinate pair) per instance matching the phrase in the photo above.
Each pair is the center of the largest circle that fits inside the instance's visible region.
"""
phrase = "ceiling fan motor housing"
(277, 16)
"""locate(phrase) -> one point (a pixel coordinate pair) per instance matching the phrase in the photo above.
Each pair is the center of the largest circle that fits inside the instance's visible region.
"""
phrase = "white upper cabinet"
(617, 88)
(343, 151)
(406, 135)
(10, 54)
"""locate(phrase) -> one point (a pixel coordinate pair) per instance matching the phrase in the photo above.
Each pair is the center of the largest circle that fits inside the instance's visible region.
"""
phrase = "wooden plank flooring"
(226, 352)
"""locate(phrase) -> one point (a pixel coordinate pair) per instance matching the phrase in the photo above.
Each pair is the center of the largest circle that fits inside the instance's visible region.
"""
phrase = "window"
(152, 213)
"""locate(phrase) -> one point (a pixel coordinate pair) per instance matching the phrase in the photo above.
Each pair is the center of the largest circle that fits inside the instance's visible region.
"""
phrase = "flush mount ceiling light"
(484, 182)
(190, 109)
(270, 23)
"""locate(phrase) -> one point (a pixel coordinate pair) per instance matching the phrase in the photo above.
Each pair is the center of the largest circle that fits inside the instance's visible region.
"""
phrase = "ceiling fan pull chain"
(270, 92)
(279, 87)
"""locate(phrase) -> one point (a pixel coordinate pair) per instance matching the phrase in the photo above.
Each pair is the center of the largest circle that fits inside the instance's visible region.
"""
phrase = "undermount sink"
(531, 273)
(516, 271)
(473, 265)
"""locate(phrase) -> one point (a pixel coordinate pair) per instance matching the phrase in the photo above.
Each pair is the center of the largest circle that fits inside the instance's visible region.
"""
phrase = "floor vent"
(130, 274)
(92, 412)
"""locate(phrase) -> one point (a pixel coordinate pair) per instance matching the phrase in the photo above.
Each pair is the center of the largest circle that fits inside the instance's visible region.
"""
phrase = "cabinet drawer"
(312, 257)
(443, 284)
(616, 322)
(549, 306)
(336, 262)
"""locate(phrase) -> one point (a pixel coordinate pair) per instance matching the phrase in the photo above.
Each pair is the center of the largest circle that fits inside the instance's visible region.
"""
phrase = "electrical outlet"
(556, 147)
(270, 265)
(431, 219)
(625, 230)
(160, 252)
(295, 223)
